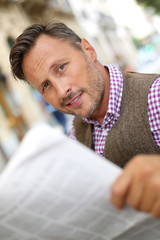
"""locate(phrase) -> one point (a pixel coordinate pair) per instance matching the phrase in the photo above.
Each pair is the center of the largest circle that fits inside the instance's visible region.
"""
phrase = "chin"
(85, 115)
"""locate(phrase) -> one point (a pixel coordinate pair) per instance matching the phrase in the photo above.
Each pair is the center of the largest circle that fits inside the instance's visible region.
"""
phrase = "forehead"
(45, 49)
(46, 52)
(45, 42)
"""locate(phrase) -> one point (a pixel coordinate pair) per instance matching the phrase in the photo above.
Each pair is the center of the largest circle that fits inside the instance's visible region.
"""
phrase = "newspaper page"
(57, 189)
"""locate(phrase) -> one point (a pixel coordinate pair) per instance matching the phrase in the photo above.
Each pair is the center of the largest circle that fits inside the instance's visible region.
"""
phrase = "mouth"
(74, 101)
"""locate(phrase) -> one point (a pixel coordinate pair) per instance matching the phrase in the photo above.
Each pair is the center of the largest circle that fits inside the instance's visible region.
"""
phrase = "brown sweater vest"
(131, 134)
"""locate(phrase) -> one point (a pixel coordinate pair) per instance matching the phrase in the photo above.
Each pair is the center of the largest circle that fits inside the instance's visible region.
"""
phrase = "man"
(117, 114)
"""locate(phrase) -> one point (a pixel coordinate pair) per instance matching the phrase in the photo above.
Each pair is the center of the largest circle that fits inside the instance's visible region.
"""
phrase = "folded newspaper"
(56, 189)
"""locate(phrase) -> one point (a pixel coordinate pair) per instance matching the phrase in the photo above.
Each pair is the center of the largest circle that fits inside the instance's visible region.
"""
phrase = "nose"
(63, 88)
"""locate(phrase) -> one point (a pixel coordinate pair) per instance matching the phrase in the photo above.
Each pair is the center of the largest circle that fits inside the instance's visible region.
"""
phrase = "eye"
(61, 67)
(45, 86)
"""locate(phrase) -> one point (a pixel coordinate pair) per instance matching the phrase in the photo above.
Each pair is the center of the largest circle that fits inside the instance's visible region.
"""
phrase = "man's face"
(67, 78)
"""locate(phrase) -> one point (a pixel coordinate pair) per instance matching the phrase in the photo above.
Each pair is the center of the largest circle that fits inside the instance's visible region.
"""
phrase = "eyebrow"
(56, 63)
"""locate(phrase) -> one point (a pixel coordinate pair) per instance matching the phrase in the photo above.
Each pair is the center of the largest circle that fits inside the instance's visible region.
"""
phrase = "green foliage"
(155, 4)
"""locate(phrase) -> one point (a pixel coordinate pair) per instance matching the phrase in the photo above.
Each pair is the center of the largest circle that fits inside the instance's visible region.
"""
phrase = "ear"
(88, 49)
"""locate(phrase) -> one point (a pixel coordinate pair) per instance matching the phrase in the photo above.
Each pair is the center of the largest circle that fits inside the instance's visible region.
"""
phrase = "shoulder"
(154, 99)
(137, 75)
(154, 92)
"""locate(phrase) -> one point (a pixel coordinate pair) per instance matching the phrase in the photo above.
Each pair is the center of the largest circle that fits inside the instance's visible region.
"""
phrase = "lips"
(74, 101)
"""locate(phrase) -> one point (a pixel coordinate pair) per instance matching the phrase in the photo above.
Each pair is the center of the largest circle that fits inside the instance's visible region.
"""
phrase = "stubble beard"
(95, 91)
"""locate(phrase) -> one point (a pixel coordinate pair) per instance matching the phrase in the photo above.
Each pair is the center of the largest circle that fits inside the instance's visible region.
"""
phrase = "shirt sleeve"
(154, 110)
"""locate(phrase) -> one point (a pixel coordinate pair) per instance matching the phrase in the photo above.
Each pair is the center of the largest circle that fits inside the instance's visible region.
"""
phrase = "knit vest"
(131, 134)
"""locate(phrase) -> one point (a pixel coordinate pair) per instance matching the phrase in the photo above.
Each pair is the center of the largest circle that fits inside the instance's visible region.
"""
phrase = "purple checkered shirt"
(101, 131)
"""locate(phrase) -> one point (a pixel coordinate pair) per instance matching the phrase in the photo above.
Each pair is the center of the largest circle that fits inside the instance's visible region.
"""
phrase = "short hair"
(27, 39)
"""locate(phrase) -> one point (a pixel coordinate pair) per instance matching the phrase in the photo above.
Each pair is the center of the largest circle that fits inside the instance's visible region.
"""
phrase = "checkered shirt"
(101, 131)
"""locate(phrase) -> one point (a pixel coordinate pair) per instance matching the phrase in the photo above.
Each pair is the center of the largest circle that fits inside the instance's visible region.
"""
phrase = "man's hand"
(139, 185)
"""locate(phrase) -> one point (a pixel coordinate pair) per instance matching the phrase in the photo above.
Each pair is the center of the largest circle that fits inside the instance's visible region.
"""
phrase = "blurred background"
(125, 33)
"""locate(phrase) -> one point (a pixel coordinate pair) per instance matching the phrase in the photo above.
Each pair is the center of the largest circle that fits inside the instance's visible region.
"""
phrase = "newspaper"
(56, 189)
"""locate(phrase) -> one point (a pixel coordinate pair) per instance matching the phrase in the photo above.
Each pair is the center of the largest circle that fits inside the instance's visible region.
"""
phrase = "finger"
(135, 194)
(156, 208)
(120, 188)
(148, 200)
(150, 190)
(139, 195)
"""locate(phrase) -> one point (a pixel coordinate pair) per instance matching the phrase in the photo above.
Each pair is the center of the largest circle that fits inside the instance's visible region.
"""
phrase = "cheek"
(52, 99)
(33, 81)
(78, 72)
(79, 78)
